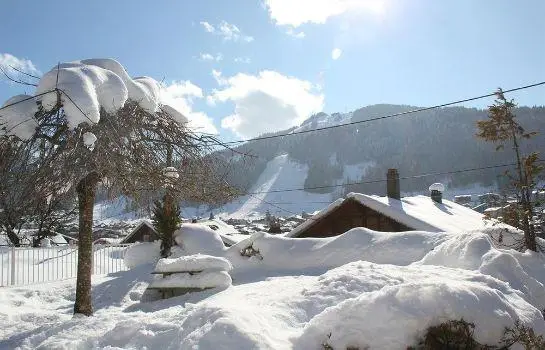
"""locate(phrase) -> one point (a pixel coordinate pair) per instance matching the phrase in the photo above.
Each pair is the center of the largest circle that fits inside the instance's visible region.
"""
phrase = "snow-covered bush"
(142, 253)
(199, 239)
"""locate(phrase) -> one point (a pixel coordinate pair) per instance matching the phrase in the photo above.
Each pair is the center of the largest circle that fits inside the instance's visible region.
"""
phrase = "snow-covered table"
(189, 274)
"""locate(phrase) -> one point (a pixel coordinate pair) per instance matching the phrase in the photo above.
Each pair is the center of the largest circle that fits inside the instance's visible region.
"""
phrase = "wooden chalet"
(144, 232)
(392, 214)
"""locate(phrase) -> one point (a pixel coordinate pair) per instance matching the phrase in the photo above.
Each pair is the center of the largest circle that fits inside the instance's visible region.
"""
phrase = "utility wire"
(388, 116)
(384, 180)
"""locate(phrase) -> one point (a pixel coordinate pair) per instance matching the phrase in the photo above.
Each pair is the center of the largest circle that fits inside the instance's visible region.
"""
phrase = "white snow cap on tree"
(18, 119)
(171, 172)
(85, 87)
(437, 187)
(89, 140)
(96, 83)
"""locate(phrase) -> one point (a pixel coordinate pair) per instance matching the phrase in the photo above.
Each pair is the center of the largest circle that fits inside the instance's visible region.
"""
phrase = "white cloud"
(208, 27)
(298, 12)
(299, 35)
(209, 57)
(8, 61)
(231, 32)
(265, 102)
(336, 53)
(228, 31)
(243, 60)
(181, 95)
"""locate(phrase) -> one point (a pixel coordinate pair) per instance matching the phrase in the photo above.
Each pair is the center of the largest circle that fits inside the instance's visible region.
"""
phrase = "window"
(146, 238)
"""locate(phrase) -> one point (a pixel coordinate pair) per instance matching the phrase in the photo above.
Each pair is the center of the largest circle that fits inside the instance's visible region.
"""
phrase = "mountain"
(439, 140)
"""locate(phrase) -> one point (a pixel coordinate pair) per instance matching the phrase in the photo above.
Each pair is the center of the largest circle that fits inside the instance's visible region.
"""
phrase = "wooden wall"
(349, 215)
(140, 235)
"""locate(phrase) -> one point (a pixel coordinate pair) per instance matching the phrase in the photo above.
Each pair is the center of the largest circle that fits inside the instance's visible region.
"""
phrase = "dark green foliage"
(451, 335)
(166, 219)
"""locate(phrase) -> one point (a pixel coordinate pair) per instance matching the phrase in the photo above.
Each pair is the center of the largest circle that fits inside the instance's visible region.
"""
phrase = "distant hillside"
(432, 141)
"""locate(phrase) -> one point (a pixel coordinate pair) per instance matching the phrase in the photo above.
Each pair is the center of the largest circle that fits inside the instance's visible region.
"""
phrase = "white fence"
(19, 266)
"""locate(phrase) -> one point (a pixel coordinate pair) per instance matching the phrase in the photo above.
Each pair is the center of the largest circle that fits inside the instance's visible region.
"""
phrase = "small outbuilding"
(144, 232)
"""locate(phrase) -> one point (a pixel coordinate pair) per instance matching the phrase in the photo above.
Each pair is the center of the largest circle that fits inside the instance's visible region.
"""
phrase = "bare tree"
(128, 157)
(502, 128)
(28, 192)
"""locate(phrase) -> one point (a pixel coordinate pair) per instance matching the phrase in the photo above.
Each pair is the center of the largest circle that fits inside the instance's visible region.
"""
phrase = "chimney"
(436, 192)
(392, 184)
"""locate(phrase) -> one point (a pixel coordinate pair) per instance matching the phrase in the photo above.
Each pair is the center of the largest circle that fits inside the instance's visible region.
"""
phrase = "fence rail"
(20, 266)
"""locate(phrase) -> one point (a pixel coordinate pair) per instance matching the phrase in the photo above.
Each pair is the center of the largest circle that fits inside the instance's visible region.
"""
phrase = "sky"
(241, 68)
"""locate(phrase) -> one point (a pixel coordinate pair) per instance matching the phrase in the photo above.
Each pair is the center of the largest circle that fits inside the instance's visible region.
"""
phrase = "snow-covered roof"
(228, 233)
(417, 212)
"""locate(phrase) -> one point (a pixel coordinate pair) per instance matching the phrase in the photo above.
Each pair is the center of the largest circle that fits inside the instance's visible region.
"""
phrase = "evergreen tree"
(166, 219)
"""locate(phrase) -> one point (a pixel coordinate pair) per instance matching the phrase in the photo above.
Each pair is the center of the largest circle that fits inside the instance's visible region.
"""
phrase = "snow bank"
(399, 248)
(199, 239)
(476, 252)
(142, 253)
(211, 279)
(394, 316)
(18, 119)
(193, 263)
(409, 281)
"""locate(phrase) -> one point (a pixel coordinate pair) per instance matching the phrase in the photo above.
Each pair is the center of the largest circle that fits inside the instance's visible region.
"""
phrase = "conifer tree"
(166, 219)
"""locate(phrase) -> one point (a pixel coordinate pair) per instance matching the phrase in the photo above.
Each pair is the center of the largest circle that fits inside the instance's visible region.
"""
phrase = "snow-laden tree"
(105, 127)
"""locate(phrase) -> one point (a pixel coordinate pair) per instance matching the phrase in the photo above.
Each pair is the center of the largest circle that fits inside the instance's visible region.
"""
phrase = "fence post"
(13, 266)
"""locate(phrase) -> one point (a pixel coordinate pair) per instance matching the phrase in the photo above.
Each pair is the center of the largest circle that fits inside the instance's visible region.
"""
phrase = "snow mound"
(211, 279)
(476, 252)
(199, 239)
(417, 279)
(142, 253)
(193, 263)
(399, 248)
(394, 316)
(18, 119)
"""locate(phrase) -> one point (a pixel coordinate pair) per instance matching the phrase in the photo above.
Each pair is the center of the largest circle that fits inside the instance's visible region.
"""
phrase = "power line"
(384, 180)
(388, 116)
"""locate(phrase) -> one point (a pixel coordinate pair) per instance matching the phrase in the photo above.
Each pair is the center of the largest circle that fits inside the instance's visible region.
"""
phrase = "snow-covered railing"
(20, 266)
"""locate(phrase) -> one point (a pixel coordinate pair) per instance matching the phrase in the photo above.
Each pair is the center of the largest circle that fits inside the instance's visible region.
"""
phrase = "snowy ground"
(363, 288)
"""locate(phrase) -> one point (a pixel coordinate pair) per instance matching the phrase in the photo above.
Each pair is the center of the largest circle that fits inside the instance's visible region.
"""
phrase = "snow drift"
(362, 288)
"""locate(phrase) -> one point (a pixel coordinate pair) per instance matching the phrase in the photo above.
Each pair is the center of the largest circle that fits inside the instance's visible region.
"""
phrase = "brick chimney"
(392, 184)
(436, 192)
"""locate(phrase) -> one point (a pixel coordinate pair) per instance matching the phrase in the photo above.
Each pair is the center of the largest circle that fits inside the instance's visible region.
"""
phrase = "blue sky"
(244, 67)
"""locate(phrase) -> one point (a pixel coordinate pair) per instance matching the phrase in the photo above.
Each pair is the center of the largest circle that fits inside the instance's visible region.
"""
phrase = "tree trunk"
(13, 238)
(86, 190)
(167, 240)
(529, 234)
